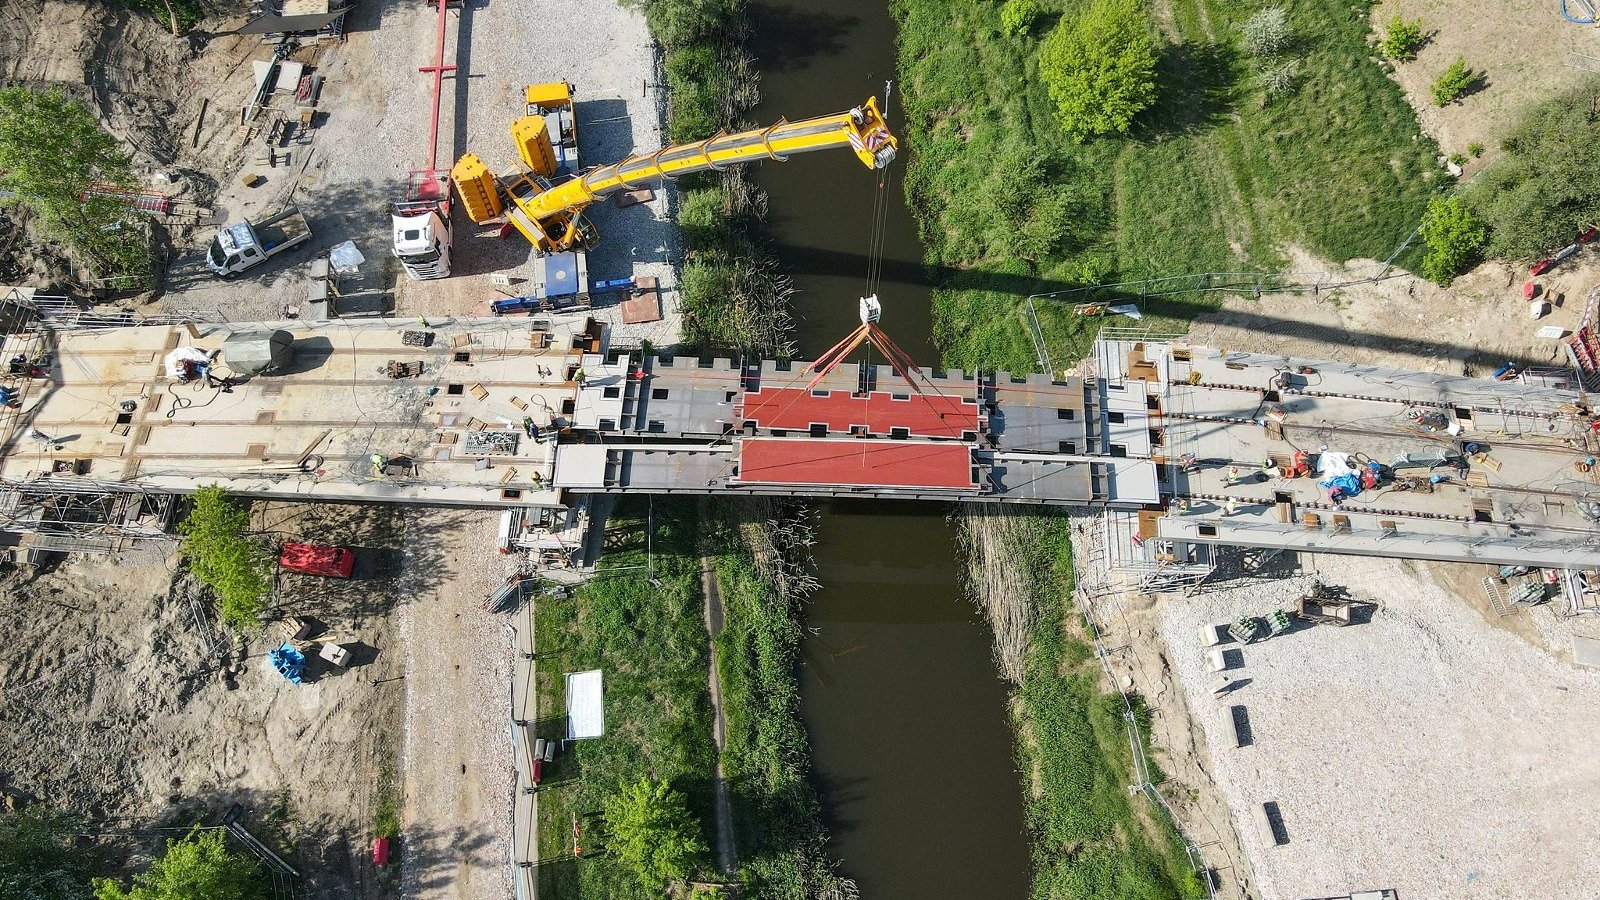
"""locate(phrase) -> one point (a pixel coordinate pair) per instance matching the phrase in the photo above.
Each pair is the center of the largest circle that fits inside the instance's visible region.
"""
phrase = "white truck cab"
(422, 243)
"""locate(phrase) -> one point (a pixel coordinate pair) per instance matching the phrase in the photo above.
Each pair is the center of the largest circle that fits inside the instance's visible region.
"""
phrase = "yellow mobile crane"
(550, 215)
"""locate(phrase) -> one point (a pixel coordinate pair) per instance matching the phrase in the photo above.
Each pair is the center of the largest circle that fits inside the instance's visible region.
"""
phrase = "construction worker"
(578, 376)
(1230, 506)
(378, 463)
(1234, 475)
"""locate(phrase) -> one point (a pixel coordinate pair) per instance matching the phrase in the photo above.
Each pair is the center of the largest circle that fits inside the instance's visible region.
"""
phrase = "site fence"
(1255, 284)
(1091, 582)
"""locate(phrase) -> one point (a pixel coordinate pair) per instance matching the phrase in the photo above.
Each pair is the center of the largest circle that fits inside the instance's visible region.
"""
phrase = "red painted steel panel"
(380, 851)
(910, 464)
(924, 415)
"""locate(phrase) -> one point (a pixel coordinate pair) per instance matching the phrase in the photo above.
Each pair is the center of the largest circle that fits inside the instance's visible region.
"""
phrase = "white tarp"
(586, 711)
(176, 359)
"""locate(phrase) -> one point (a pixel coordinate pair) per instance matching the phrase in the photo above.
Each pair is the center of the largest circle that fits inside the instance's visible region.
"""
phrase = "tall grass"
(1090, 838)
(1213, 178)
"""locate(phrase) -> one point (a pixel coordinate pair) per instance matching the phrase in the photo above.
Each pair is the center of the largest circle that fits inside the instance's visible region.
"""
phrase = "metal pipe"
(438, 69)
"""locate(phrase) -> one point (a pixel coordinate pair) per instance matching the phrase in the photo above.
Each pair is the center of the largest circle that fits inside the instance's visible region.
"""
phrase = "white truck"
(245, 244)
(421, 228)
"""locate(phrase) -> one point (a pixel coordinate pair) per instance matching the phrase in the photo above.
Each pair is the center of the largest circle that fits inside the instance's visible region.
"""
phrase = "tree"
(219, 554)
(653, 834)
(1402, 40)
(1453, 82)
(37, 862)
(1017, 16)
(195, 867)
(1453, 236)
(51, 150)
(1541, 191)
(1266, 34)
(1100, 68)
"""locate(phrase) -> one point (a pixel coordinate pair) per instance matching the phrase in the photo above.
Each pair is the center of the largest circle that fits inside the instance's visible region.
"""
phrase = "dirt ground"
(1522, 47)
(1427, 750)
(118, 703)
(1469, 328)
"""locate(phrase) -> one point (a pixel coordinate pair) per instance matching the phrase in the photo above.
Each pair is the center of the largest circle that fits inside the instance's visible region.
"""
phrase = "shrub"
(1403, 39)
(1266, 33)
(1099, 68)
(1017, 16)
(1453, 236)
(223, 558)
(1453, 82)
(1278, 77)
(51, 148)
(653, 834)
(1459, 159)
(1542, 190)
(1475, 149)
(195, 867)
(37, 858)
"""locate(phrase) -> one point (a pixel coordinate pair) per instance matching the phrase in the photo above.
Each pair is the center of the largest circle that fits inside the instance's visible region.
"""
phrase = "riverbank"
(1090, 837)
(734, 296)
(1215, 177)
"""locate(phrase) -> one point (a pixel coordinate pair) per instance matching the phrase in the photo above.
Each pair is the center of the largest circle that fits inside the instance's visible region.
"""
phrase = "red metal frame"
(423, 182)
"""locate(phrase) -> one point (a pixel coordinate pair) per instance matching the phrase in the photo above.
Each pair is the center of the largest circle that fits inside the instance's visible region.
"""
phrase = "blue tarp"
(289, 662)
(1349, 482)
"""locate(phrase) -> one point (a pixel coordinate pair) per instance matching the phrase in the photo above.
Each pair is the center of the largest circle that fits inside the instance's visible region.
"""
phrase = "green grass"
(1090, 838)
(651, 643)
(777, 816)
(1212, 178)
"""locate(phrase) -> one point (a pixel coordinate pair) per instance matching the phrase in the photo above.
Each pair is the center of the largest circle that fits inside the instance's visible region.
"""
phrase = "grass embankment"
(734, 296)
(650, 640)
(1090, 838)
(762, 572)
(1212, 178)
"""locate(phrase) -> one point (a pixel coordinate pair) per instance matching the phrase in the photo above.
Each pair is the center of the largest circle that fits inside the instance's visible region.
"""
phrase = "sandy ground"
(1470, 328)
(117, 704)
(1522, 47)
(1427, 751)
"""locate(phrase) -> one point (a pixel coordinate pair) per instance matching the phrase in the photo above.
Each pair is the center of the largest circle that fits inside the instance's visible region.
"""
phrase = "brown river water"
(912, 747)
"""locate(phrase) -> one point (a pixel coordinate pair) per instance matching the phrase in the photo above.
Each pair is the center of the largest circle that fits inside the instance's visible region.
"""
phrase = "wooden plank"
(306, 453)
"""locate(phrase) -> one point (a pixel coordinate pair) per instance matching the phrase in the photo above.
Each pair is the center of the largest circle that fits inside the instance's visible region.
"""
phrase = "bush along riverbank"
(763, 567)
(1254, 144)
(735, 298)
(1089, 837)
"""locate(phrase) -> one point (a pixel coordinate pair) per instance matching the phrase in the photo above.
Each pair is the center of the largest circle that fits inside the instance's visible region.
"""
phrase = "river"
(912, 746)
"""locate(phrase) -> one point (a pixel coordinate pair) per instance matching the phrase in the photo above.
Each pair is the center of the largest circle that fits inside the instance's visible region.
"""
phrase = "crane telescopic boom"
(550, 215)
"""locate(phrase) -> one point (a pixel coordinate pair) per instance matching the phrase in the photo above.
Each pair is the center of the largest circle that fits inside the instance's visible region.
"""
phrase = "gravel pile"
(1427, 751)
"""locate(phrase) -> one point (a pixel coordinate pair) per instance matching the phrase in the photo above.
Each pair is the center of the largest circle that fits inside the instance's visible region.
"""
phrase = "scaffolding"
(77, 515)
(1128, 546)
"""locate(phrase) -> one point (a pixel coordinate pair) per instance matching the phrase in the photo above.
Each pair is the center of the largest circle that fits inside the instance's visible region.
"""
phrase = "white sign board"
(586, 711)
